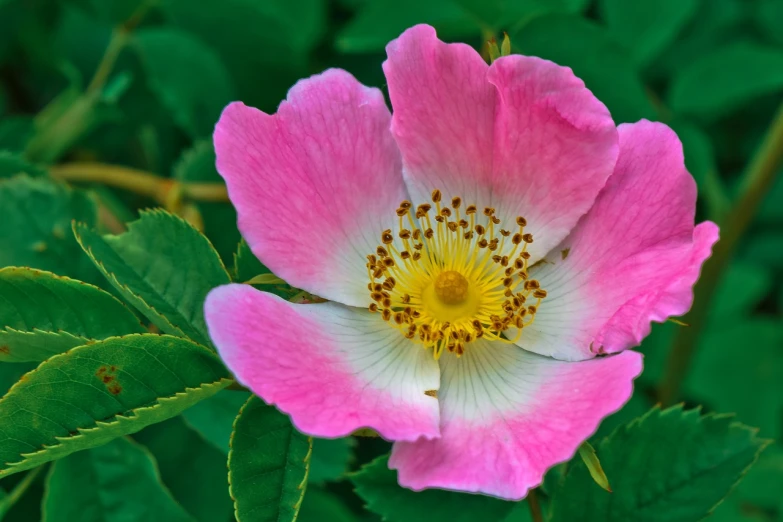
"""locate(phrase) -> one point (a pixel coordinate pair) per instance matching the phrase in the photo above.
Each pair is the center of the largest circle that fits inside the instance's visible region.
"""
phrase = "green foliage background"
(106, 109)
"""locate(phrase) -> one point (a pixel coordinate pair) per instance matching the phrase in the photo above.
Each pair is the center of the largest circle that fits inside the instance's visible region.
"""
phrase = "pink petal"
(631, 260)
(507, 415)
(333, 369)
(523, 136)
(315, 184)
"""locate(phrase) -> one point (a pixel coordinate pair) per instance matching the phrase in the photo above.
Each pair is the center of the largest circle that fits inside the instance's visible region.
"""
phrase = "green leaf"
(37, 216)
(321, 506)
(45, 314)
(265, 45)
(267, 465)
(724, 80)
(10, 373)
(116, 481)
(378, 487)
(95, 393)
(15, 132)
(671, 465)
(12, 164)
(213, 418)
(197, 165)
(604, 66)
(191, 469)
(383, 20)
(731, 366)
(590, 460)
(330, 460)
(162, 266)
(187, 75)
(247, 266)
(646, 28)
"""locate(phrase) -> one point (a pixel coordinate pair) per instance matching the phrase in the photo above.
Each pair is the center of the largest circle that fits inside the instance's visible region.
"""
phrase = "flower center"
(451, 287)
(462, 278)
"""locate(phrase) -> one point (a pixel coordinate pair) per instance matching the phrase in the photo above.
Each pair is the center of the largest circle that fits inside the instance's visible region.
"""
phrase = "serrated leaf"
(722, 81)
(37, 216)
(187, 75)
(247, 267)
(587, 48)
(92, 394)
(378, 487)
(267, 465)
(213, 418)
(45, 314)
(646, 28)
(116, 481)
(162, 266)
(671, 465)
(191, 469)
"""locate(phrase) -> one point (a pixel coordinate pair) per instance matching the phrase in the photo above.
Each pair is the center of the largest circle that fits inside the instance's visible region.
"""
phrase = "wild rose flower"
(484, 248)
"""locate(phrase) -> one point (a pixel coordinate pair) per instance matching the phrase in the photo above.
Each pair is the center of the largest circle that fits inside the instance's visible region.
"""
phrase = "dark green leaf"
(214, 418)
(162, 266)
(95, 393)
(377, 485)
(645, 28)
(191, 469)
(37, 216)
(188, 76)
(116, 481)
(721, 82)
(12, 164)
(15, 132)
(321, 506)
(197, 165)
(586, 47)
(45, 314)
(10, 373)
(733, 364)
(267, 465)
(247, 266)
(671, 465)
(330, 460)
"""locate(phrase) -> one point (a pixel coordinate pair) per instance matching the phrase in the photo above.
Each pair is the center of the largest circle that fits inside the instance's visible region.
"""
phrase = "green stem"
(756, 183)
(119, 38)
(9, 500)
(534, 505)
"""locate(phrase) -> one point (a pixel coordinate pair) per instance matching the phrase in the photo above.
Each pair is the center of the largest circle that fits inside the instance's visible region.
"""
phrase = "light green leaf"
(37, 216)
(191, 469)
(378, 487)
(604, 66)
(213, 418)
(45, 314)
(95, 393)
(722, 81)
(330, 460)
(187, 75)
(116, 481)
(646, 28)
(671, 465)
(590, 459)
(267, 465)
(162, 266)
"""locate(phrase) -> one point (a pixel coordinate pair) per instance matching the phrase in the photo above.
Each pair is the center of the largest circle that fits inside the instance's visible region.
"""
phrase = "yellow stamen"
(461, 280)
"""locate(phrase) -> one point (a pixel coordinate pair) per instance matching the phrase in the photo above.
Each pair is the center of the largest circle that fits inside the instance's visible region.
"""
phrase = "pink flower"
(480, 246)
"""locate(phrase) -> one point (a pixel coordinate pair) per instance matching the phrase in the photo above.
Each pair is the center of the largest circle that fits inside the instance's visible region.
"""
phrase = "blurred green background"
(102, 85)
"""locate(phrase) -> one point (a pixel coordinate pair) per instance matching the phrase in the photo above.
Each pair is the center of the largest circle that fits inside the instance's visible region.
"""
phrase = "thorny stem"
(534, 505)
(760, 175)
(8, 502)
(139, 181)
